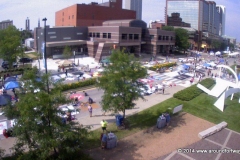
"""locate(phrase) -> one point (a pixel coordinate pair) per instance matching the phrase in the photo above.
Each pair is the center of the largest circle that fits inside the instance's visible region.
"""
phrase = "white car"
(56, 78)
(69, 76)
(218, 53)
(147, 90)
(86, 76)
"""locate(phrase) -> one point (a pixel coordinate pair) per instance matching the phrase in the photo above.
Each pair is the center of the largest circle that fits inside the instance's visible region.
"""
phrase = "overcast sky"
(19, 10)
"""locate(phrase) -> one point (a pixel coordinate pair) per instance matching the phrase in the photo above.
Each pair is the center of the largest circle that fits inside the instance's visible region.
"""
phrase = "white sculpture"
(222, 88)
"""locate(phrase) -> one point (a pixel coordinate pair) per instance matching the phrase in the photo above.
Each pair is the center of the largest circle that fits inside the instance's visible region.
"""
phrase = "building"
(27, 24)
(135, 5)
(176, 20)
(222, 11)
(99, 41)
(92, 14)
(200, 14)
(5, 24)
(157, 24)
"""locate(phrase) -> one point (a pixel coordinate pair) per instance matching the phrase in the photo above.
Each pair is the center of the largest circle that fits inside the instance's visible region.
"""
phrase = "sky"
(19, 10)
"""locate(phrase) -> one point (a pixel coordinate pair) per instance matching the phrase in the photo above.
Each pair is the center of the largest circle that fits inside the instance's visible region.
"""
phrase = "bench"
(212, 130)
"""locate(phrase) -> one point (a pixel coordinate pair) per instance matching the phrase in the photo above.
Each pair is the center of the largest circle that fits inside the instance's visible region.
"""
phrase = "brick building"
(92, 14)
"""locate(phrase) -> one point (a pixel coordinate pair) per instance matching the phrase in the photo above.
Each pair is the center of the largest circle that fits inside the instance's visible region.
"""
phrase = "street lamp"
(74, 56)
(45, 56)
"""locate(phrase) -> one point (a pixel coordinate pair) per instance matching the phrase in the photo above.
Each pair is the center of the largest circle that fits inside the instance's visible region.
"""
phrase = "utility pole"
(45, 56)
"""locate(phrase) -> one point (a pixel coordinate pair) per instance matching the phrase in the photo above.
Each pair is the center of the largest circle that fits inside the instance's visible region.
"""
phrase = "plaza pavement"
(94, 121)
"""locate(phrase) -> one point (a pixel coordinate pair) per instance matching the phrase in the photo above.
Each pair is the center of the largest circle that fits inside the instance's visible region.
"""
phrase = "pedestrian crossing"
(169, 79)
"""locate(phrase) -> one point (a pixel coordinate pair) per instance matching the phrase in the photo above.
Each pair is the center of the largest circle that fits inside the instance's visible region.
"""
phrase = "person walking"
(104, 125)
(163, 89)
(66, 72)
(90, 110)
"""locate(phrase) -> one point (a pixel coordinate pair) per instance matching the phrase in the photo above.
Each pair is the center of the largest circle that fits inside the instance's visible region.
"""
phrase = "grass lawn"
(201, 106)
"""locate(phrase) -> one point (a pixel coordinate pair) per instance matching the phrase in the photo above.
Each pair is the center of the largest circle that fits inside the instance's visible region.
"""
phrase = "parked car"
(5, 65)
(56, 78)
(69, 76)
(25, 60)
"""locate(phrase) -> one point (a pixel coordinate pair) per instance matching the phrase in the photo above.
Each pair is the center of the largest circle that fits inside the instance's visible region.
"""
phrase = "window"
(68, 17)
(171, 38)
(93, 34)
(167, 37)
(104, 35)
(109, 35)
(63, 13)
(151, 36)
(130, 36)
(136, 36)
(90, 34)
(124, 36)
(98, 35)
(72, 16)
(163, 37)
(62, 19)
(159, 37)
(93, 16)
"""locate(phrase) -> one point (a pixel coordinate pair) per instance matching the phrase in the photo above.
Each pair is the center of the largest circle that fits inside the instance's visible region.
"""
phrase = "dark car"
(5, 64)
(25, 60)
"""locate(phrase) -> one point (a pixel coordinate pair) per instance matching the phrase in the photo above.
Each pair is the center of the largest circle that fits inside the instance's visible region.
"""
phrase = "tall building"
(27, 24)
(5, 24)
(92, 14)
(222, 11)
(200, 14)
(135, 5)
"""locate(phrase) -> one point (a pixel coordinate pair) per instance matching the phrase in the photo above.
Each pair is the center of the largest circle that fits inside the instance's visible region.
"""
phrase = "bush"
(79, 84)
(162, 65)
(193, 91)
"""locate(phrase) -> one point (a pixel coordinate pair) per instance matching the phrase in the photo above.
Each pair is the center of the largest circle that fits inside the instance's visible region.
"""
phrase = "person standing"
(104, 125)
(163, 89)
(90, 110)
(66, 72)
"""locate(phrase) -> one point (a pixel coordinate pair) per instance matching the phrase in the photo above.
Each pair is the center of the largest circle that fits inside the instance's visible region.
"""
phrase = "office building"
(27, 24)
(92, 14)
(98, 41)
(135, 5)
(5, 24)
(222, 11)
(200, 14)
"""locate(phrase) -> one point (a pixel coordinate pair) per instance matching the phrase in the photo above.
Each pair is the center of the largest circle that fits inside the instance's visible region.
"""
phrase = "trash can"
(111, 141)
(119, 119)
(161, 122)
(167, 116)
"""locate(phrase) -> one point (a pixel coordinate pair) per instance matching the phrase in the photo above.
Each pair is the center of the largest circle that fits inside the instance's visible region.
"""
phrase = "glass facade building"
(202, 15)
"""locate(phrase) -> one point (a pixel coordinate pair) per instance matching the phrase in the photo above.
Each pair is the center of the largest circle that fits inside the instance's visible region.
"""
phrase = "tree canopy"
(182, 35)
(10, 43)
(120, 82)
(67, 52)
(40, 129)
(182, 38)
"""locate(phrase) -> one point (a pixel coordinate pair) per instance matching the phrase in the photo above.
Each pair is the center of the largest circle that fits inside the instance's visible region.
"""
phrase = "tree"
(182, 39)
(67, 52)
(168, 28)
(10, 44)
(39, 125)
(120, 82)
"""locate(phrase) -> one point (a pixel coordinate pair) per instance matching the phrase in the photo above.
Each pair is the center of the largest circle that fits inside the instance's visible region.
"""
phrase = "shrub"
(79, 84)
(162, 65)
(193, 91)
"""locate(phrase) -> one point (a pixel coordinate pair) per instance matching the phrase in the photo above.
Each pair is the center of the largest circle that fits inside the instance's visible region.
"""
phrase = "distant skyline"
(18, 11)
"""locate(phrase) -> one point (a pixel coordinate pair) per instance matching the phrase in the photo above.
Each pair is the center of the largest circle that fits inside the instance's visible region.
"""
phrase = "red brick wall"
(90, 15)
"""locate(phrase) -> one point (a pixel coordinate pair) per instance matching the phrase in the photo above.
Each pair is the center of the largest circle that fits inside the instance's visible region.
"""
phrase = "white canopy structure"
(223, 88)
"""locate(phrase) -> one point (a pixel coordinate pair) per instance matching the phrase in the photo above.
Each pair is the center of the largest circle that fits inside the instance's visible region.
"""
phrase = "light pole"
(45, 56)
(74, 56)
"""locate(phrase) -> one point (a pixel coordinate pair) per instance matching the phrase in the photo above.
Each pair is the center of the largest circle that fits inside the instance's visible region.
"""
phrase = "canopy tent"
(11, 85)
(64, 62)
(185, 66)
(9, 79)
(206, 65)
(5, 99)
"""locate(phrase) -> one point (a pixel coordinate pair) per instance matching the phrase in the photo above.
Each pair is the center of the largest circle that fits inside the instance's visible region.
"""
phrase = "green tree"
(67, 52)
(39, 128)
(119, 82)
(168, 28)
(10, 44)
(216, 44)
(182, 39)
